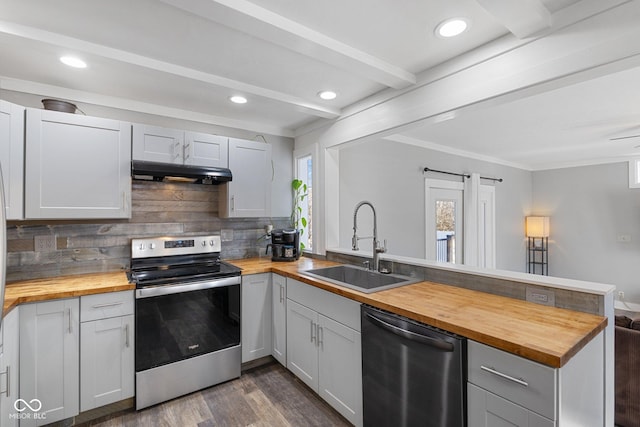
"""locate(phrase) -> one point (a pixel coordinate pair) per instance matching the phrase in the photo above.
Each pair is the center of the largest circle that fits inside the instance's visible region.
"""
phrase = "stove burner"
(171, 261)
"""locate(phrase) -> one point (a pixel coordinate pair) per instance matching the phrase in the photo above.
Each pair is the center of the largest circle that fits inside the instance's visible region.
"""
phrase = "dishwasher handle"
(413, 336)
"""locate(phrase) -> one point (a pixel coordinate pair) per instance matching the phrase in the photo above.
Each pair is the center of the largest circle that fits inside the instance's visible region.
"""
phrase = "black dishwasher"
(412, 374)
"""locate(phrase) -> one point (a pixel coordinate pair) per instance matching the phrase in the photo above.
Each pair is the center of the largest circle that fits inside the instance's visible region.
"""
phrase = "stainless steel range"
(187, 316)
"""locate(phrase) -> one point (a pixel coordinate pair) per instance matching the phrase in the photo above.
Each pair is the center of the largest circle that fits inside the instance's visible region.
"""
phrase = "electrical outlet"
(541, 296)
(44, 243)
(226, 235)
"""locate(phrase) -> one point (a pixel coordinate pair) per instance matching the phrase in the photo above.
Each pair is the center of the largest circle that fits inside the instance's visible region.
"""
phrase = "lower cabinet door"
(340, 368)
(279, 301)
(302, 352)
(106, 361)
(485, 409)
(256, 316)
(49, 361)
(9, 369)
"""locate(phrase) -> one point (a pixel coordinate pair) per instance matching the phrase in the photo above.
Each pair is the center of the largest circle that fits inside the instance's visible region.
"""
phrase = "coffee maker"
(285, 245)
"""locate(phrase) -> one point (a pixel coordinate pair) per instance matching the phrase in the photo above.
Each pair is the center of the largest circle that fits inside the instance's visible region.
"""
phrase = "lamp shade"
(537, 226)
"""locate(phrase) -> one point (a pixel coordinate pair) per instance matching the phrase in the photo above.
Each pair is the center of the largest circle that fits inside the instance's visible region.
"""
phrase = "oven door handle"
(157, 291)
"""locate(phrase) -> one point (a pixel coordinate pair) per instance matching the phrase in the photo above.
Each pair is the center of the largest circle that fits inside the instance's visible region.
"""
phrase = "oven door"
(178, 322)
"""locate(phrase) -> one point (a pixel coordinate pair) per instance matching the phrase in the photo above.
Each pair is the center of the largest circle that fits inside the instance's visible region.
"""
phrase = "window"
(304, 172)
(634, 173)
(444, 221)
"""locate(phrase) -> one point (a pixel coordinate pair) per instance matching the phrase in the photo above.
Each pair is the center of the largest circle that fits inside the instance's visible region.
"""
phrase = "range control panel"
(167, 246)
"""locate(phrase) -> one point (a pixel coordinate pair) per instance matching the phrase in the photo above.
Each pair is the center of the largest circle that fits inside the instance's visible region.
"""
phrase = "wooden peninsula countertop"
(544, 334)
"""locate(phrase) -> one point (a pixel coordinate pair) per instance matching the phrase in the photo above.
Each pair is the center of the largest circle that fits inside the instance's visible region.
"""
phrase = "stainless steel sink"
(362, 280)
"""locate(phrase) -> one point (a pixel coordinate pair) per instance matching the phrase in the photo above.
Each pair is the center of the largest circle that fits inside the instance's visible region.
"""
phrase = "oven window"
(175, 327)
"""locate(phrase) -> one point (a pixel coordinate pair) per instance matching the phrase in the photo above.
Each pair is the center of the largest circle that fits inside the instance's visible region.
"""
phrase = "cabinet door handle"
(69, 314)
(233, 203)
(281, 293)
(505, 376)
(7, 382)
(186, 154)
(320, 334)
(126, 335)
(109, 304)
(313, 330)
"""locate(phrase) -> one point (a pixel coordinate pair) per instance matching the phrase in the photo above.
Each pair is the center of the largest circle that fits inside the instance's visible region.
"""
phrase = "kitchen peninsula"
(550, 336)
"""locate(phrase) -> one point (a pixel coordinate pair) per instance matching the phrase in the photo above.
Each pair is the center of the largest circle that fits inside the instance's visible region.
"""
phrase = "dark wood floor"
(267, 395)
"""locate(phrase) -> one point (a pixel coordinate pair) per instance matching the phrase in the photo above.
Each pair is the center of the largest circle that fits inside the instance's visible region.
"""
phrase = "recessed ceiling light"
(327, 95)
(237, 99)
(72, 61)
(452, 27)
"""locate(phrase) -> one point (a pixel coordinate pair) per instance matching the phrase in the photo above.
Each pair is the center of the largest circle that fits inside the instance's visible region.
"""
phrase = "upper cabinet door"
(156, 144)
(76, 166)
(12, 158)
(249, 193)
(202, 149)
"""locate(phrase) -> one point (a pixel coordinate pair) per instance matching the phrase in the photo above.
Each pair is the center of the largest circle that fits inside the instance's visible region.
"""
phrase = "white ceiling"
(186, 57)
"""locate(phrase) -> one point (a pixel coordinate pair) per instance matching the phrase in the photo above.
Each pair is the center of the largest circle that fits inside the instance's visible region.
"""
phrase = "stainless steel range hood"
(153, 171)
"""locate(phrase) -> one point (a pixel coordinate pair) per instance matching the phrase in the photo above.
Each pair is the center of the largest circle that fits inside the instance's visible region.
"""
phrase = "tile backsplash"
(158, 209)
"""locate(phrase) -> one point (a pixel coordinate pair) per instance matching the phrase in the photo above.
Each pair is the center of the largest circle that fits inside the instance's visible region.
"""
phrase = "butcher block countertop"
(544, 334)
(64, 287)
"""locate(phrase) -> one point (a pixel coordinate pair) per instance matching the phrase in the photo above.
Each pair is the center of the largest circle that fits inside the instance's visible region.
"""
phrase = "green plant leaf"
(302, 246)
(303, 220)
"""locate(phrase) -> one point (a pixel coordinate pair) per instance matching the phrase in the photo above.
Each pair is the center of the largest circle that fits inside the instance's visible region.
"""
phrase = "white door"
(256, 316)
(202, 149)
(486, 227)
(302, 351)
(444, 220)
(340, 368)
(279, 301)
(49, 360)
(106, 363)
(156, 144)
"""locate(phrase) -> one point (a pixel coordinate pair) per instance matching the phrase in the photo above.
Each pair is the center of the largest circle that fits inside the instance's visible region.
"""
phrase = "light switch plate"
(226, 235)
(541, 296)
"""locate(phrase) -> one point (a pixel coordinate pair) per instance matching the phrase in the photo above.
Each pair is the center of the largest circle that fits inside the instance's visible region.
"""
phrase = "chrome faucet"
(377, 249)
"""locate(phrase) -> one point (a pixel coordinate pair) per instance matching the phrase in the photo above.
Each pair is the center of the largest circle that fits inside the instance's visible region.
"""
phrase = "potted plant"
(298, 222)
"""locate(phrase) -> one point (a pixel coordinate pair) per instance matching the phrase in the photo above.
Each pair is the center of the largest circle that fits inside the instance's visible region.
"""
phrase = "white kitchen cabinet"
(107, 370)
(163, 145)
(486, 409)
(506, 389)
(9, 368)
(49, 360)
(256, 323)
(76, 166)
(279, 313)
(324, 346)
(249, 193)
(12, 158)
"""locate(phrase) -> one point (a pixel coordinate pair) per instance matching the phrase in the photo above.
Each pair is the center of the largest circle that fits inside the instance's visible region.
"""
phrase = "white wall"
(389, 175)
(589, 207)
(282, 147)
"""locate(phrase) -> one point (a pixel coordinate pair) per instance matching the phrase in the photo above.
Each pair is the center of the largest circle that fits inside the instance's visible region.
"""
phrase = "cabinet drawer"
(334, 306)
(519, 380)
(103, 306)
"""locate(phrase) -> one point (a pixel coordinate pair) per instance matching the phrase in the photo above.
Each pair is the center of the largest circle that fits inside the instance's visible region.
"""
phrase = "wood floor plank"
(265, 396)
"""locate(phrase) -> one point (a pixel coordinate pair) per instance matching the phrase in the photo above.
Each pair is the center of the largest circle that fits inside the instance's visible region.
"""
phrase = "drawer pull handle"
(505, 376)
(109, 304)
(126, 330)
(7, 383)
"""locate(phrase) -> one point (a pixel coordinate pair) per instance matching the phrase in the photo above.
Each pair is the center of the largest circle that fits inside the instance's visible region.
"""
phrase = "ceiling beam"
(71, 43)
(259, 22)
(118, 103)
(523, 18)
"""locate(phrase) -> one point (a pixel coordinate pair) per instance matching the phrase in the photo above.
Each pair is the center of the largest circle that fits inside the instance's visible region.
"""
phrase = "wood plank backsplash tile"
(104, 245)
